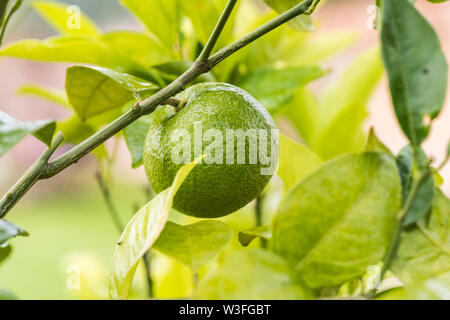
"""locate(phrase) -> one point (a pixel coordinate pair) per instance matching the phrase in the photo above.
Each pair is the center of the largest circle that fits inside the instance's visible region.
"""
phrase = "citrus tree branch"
(206, 52)
(224, 53)
(30, 177)
(150, 104)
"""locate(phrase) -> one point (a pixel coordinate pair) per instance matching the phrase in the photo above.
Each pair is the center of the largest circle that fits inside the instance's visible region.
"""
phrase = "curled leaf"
(12, 131)
(246, 237)
(139, 236)
(9, 230)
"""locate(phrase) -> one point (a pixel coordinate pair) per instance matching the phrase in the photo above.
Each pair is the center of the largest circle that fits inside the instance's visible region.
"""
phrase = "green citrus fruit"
(220, 113)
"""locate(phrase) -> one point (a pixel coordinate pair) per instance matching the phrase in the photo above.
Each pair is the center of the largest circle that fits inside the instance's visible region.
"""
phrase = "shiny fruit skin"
(211, 190)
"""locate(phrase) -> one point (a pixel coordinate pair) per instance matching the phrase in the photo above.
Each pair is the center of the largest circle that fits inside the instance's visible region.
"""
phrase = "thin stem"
(109, 202)
(194, 278)
(259, 32)
(392, 251)
(416, 185)
(149, 105)
(3, 25)
(3, 6)
(148, 269)
(445, 161)
(120, 227)
(147, 256)
(206, 52)
(259, 217)
(30, 177)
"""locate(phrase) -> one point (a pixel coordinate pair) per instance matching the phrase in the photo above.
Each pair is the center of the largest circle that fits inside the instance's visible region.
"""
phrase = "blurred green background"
(65, 229)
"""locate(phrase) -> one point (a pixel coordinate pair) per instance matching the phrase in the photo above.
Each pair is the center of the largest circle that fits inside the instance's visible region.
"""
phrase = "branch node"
(203, 65)
(312, 8)
(137, 106)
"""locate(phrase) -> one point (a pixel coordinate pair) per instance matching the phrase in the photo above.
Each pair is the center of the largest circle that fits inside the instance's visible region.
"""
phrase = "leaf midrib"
(405, 83)
(432, 240)
(91, 96)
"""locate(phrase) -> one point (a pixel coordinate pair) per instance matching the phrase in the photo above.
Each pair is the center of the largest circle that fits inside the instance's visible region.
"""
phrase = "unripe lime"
(213, 189)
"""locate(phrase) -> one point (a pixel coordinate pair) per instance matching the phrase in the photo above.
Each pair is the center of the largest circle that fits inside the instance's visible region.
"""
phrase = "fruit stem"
(171, 102)
(181, 105)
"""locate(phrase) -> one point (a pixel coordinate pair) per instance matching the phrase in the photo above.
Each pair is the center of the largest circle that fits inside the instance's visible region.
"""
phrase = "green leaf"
(93, 90)
(6, 295)
(64, 20)
(296, 162)
(275, 87)
(5, 251)
(135, 135)
(139, 47)
(375, 145)
(12, 131)
(424, 197)
(9, 230)
(416, 67)
(54, 95)
(204, 16)
(357, 83)
(140, 234)
(161, 17)
(246, 237)
(362, 285)
(339, 220)
(73, 48)
(340, 124)
(76, 131)
(301, 50)
(194, 244)
(251, 274)
(423, 259)
(422, 202)
(304, 112)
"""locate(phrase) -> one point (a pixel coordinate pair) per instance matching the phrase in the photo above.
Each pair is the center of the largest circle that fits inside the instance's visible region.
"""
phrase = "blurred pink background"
(336, 15)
